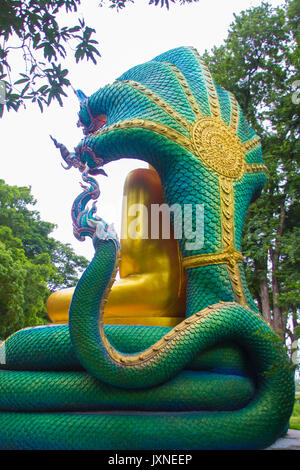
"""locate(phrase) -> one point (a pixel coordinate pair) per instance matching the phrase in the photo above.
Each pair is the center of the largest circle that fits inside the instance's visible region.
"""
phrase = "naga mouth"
(93, 162)
(83, 158)
(96, 122)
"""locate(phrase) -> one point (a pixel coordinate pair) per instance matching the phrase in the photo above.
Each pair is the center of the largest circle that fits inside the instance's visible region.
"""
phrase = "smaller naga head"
(85, 221)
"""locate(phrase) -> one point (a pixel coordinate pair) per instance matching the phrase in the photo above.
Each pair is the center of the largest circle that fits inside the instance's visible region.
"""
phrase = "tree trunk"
(278, 324)
(265, 299)
(261, 268)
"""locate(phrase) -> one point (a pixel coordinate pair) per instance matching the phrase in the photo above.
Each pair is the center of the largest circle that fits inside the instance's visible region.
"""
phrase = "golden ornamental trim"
(255, 168)
(187, 90)
(159, 102)
(210, 87)
(158, 348)
(251, 144)
(235, 278)
(230, 256)
(227, 213)
(154, 126)
(234, 112)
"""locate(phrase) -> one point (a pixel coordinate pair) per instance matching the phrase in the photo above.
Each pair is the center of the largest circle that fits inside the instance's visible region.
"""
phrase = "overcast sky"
(132, 36)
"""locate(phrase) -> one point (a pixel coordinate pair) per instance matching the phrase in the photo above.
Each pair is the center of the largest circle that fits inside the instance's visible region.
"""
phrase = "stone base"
(291, 441)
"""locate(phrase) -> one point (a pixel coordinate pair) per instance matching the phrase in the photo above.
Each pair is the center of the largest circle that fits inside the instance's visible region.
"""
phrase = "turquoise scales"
(223, 357)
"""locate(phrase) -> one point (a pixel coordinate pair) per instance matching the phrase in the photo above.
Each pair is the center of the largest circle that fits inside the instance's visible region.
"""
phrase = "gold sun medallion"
(219, 148)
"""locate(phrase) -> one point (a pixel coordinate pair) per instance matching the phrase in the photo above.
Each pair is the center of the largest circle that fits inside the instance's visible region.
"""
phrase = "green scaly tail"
(238, 429)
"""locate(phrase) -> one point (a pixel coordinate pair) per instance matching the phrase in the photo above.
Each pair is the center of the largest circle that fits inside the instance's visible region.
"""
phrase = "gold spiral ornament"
(218, 147)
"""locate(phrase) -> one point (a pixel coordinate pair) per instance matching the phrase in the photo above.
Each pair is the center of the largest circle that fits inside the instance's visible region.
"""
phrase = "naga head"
(170, 103)
(170, 113)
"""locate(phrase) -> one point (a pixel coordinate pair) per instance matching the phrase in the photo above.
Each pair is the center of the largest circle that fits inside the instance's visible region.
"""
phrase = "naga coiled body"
(218, 380)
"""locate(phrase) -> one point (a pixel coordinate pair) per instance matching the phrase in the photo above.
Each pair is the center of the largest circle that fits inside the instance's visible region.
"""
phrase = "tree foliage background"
(31, 31)
(32, 264)
(258, 62)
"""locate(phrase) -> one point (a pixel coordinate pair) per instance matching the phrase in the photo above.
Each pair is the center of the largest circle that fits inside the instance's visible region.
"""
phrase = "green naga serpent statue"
(218, 380)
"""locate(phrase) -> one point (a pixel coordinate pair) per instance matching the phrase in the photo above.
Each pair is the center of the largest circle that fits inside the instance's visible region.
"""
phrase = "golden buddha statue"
(151, 289)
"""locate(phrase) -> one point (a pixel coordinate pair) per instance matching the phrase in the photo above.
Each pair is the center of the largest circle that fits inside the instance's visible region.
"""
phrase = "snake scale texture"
(221, 379)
